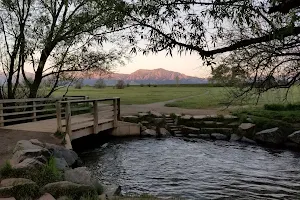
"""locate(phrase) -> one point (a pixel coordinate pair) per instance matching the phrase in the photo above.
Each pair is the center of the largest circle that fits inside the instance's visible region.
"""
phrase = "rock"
(204, 136)
(29, 163)
(164, 132)
(19, 188)
(37, 142)
(21, 155)
(247, 130)
(61, 163)
(292, 145)
(158, 120)
(143, 128)
(246, 140)
(235, 137)
(25, 145)
(186, 117)
(102, 197)
(42, 159)
(47, 196)
(295, 137)
(190, 130)
(10, 198)
(79, 175)
(111, 190)
(65, 188)
(70, 156)
(270, 136)
(143, 114)
(148, 133)
(219, 136)
(155, 114)
(63, 198)
(131, 118)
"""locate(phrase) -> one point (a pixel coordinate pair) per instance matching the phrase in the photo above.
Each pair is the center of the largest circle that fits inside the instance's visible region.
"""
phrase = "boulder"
(25, 145)
(270, 136)
(149, 133)
(21, 155)
(219, 136)
(66, 188)
(156, 114)
(80, 175)
(141, 114)
(111, 190)
(61, 163)
(247, 140)
(19, 188)
(158, 120)
(9, 198)
(28, 163)
(70, 156)
(190, 130)
(295, 137)
(186, 117)
(247, 130)
(204, 136)
(37, 142)
(235, 137)
(47, 196)
(164, 132)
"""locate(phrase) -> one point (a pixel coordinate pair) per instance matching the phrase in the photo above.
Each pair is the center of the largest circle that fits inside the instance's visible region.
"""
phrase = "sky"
(187, 64)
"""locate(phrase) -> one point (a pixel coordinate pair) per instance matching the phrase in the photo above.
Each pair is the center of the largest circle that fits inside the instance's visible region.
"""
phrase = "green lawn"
(204, 97)
(137, 95)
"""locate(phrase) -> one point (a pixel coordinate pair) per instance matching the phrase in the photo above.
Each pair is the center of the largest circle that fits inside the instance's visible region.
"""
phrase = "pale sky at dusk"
(187, 64)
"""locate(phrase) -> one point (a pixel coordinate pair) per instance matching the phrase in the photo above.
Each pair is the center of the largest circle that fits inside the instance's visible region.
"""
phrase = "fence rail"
(100, 111)
(25, 110)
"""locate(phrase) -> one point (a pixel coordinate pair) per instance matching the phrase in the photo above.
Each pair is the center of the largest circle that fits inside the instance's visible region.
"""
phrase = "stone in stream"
(149, 133)
(131, 118)
(247, 140)
(46, 196)
(111, 190)
(204, 136)
(295, 137)
(219, 136)
(25, 145)
(164, 132)
(272, 136)
(190, 130)
(235, 137)
(247, 130)
(61, 163)
(156, 114)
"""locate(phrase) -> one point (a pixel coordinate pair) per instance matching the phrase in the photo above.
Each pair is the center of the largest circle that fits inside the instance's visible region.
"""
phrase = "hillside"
(144, 76)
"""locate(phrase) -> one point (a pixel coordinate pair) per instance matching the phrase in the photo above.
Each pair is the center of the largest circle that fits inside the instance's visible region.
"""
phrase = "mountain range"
(141, 76)
(144, 76)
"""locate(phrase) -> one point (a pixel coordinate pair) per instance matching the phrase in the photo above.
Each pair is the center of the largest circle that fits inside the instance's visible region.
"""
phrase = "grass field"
(200, 97)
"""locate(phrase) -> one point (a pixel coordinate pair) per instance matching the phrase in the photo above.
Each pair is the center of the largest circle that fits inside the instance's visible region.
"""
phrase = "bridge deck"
(79, 122)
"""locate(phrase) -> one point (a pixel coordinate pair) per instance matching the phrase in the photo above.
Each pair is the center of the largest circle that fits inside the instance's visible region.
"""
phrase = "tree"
(55, 39)
(120, 84)
(78, 84)
(261, 37)
(100, 84)
(177, 79)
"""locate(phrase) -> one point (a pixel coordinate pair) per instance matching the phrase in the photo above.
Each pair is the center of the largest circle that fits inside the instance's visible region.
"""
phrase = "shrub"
(142, 85)
(276, 107)
(154, 85)
(120, 84)
(149, 85)
(100, 84)
(79, 84)
(128, 85)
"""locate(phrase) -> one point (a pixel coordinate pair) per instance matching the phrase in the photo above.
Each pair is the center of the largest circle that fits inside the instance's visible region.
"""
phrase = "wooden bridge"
(75, 116)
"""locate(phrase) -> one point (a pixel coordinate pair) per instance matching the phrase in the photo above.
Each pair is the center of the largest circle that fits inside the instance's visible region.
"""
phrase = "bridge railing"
(13, 111)
(95, 110)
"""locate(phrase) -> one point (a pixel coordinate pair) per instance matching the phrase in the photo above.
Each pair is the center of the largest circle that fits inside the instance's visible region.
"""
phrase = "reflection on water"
(198, 169)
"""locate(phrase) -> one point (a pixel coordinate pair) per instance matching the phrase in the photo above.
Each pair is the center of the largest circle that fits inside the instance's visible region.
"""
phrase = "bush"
(78, 84)
(282, 107)
(142, 85)
(149, 85)
(154, 85)
(100, 84)
(120, 84)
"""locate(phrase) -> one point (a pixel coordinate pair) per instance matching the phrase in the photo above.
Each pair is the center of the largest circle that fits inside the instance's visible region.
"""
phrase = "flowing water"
(197, 169)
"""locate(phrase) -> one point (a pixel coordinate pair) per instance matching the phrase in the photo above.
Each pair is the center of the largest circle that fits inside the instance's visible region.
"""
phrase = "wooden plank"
(90, 100)
(27, 106)
(29, 100)
(1, 115)
(90, 130)
(28, 118)
(76, 127)
(119, 110)
(28, 112)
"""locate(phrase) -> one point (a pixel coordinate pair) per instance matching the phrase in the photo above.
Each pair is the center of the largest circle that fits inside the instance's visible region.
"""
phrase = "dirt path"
(9, 138)
(160, 107)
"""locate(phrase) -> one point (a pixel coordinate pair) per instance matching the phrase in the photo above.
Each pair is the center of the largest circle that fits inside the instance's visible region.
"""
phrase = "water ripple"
(198, 169)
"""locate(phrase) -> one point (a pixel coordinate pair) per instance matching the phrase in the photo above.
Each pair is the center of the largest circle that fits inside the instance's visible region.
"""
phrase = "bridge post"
(115, 112)
(34, 111)
(68, 119)
(1, 115)
(95, 106)
(58, 116)
(119, 108)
